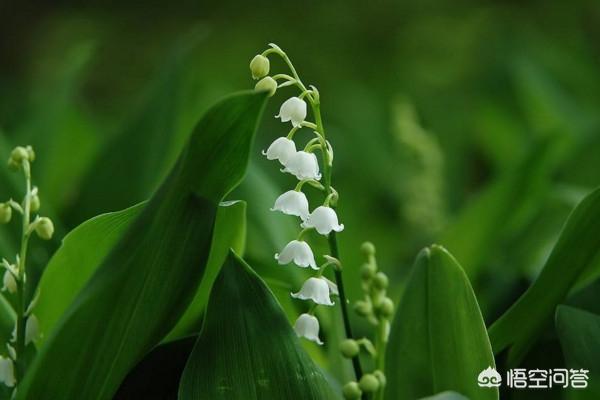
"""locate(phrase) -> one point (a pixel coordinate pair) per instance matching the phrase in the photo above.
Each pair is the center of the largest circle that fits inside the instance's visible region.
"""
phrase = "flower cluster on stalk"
(26, 330)
(303, 164)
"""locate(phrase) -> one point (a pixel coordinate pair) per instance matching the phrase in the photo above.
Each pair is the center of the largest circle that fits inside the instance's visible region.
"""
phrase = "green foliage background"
(470, 124)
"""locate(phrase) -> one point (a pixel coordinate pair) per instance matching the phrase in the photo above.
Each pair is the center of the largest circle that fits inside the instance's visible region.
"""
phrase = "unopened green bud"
(34, 203)
(367, 271)
(17, 155)
(5, 213)
(351, 391)
(386, 307)
(381, 281)
(259, 66)
(349, 348)
(363, 308)
(30, 153)
(44, 228)
(267, 84)
(368, 249)
(380, 377)
(369, 383)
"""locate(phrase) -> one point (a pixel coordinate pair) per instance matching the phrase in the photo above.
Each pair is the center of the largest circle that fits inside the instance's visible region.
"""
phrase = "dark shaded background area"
(472, 124)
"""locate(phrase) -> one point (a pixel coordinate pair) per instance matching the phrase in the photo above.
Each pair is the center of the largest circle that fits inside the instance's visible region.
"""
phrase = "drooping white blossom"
(9, 282)
(281, 149)
(293, 109)
(299, 252)
(315, 289)
(307, 326)
(7, 371)
(324, 220)
(292, 202)
(303, 165)
(32, 329)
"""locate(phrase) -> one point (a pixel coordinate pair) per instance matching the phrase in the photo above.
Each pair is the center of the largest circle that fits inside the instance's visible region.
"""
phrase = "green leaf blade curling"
(144, 285)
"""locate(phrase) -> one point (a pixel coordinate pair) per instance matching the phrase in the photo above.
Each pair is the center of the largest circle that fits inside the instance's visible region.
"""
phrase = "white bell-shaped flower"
(32, 329)
(307, 326)
(10, 283)
(292, 202)
(299, 252)
(324, 220)
(293, 109)
(315, 289)
(7, 372)
(303, 165)
(281, 149)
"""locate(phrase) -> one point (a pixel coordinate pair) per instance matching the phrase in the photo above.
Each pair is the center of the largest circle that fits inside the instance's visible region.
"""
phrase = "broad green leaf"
(577, 249)
(157, 375)
(85, 247)
(438, 340)
(149, 278)
(247, 349)
(81, 253)
(579, 334)
(230, 232)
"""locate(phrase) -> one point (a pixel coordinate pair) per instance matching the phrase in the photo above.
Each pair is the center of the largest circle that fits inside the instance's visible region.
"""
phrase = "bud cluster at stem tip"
(20, 154)
(26, 330)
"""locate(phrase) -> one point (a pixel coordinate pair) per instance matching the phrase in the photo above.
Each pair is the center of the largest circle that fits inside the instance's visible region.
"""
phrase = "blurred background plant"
(471, 124)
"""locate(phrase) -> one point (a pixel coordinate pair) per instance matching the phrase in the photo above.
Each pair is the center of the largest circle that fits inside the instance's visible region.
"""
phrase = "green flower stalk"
(378, 309)
(12, 368)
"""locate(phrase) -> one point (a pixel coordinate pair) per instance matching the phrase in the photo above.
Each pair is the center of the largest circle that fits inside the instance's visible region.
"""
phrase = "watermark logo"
(489, 377)
(521, 378)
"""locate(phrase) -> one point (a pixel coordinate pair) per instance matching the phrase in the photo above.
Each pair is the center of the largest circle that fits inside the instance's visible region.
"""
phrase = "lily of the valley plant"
(26, 330)
(312, 165)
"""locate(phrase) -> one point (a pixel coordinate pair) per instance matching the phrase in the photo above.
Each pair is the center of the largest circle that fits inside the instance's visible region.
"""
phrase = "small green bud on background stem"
(351, 391)
(368, 271)
(35, 203)
(362, 308)
(381, 281)
(368, 249)
(369, 383)
(5, 213)
(349, 348)
(386, 308)
(44, 228)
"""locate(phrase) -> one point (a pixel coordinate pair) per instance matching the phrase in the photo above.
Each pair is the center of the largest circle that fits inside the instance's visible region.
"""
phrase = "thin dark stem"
(333, 245)
(344, 302)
